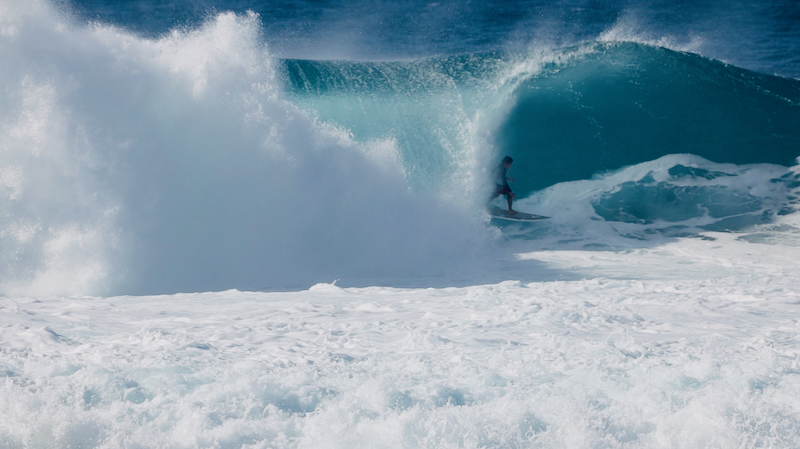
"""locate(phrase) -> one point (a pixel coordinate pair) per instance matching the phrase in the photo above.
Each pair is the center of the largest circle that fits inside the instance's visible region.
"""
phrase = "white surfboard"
(502, 214)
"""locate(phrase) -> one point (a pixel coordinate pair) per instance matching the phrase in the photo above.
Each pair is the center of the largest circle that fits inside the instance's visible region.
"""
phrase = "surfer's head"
(508, 161)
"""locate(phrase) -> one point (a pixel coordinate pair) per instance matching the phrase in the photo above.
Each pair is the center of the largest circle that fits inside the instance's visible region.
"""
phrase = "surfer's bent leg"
(510, 198)
(504, 190)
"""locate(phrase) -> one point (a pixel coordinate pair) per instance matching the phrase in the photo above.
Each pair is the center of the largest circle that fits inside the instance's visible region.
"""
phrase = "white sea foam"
(627, 29)
(175, 164)
(654, 202)
(696, 348)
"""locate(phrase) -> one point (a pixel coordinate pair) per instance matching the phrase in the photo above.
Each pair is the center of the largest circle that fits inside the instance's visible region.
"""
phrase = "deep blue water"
(759, 35)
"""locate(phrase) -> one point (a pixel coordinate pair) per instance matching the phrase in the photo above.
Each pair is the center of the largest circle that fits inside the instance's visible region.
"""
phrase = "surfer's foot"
(511, 212)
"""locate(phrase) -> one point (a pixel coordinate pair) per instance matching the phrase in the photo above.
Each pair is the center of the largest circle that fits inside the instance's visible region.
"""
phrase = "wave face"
(199, 161)
(624, 103)
(631, 140)
(440, 112)
(562, 116)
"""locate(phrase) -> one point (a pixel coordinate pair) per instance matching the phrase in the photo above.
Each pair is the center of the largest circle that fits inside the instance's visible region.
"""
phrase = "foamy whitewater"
(245, 225)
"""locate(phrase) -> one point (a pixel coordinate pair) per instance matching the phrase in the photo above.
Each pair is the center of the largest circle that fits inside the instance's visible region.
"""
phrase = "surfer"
(501, 183)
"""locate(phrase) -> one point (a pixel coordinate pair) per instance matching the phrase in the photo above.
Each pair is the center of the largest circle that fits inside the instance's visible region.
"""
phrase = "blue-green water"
(566, 116)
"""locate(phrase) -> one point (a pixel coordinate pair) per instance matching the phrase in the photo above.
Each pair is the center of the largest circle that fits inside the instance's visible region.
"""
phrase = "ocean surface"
(242, 224)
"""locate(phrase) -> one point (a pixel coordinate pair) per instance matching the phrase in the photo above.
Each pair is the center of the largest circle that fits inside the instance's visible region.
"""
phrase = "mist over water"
(761, 36)
(176, 164)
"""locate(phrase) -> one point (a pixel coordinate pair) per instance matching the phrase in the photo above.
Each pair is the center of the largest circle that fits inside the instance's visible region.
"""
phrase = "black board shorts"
(502, 190)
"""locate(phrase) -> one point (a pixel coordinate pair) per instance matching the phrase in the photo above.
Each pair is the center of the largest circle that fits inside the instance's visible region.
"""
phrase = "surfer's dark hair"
(507, 160)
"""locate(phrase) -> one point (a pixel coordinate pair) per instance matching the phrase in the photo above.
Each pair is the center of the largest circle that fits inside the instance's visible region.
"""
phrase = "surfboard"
(502, 214)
